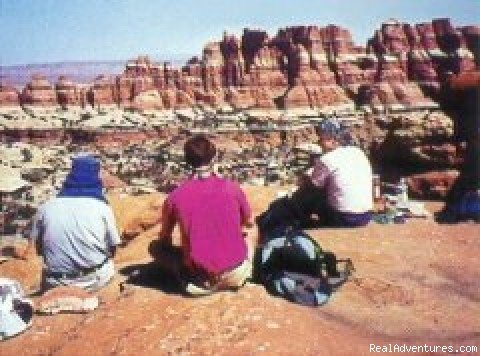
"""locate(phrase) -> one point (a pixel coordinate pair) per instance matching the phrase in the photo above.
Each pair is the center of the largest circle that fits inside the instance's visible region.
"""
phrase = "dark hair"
(199, 151)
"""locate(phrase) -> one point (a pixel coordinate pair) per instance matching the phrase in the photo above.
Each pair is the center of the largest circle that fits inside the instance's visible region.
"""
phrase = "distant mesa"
(8, 94)
(402, 66)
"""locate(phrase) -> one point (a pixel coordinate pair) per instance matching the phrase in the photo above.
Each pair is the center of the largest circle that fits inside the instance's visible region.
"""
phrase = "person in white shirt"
(75, 232)
(338, 190)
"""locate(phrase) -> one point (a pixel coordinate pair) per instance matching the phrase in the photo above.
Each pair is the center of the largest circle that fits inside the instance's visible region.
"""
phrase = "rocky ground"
(415, 284)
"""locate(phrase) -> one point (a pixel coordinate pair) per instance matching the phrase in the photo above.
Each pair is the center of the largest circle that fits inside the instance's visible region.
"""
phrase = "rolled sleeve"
(37, 228)
(320, 174)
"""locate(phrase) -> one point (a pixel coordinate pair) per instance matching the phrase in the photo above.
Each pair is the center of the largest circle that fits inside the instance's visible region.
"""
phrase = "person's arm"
(112, 235)
(168, 223)
(304, 179)
(245, 210)
(320, 174)
(34, 243)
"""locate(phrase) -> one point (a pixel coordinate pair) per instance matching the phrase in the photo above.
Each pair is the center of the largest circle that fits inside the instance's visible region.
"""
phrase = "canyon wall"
(402, 66)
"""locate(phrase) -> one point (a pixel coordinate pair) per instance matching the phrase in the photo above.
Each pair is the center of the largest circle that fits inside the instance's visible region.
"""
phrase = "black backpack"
(292, 265)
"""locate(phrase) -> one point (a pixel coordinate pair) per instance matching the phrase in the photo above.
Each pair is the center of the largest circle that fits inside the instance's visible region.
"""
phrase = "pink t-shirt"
(210, 212)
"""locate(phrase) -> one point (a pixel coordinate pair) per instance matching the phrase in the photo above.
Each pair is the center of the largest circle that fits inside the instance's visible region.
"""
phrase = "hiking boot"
(197, 291)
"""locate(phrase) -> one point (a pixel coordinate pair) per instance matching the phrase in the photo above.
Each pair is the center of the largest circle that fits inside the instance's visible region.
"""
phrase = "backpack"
(292, 265)
(466, 207)
(280, 214)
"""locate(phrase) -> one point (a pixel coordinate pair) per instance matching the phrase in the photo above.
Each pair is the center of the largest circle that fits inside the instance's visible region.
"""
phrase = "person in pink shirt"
(210, 212)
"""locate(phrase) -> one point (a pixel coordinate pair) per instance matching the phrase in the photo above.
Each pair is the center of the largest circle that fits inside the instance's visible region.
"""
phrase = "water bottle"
(402, 193)
(377, 194)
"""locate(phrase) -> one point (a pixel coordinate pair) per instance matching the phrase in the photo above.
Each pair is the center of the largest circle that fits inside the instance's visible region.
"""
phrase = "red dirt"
(415, 284)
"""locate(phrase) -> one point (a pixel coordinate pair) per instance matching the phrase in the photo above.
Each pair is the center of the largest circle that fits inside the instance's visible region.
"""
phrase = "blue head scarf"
(84, 179)
(334, 128)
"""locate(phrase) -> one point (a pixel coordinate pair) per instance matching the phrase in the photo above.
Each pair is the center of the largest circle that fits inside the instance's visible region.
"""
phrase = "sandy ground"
(415, 284)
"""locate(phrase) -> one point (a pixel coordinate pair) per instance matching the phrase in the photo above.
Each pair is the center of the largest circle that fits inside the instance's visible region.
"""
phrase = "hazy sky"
(36, 31)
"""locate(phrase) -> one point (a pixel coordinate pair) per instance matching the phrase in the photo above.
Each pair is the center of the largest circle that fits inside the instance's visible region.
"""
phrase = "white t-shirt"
(346, 175)
(75, 232)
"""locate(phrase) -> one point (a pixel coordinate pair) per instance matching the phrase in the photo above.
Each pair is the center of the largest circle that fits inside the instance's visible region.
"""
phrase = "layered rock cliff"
(402, 66)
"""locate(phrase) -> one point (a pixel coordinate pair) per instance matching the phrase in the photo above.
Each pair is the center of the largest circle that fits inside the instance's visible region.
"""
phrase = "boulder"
(66, 300)
(39, 92)
(420, 140)
(103, 92)
(240, 98)
(148, 100)
(136, 214)
(432, 185)
(68, 94)
(8, 94)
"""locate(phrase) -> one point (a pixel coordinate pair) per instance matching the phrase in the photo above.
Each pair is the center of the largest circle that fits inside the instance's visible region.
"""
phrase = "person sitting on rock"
(210, 211)
(75, 232)
(336, 191)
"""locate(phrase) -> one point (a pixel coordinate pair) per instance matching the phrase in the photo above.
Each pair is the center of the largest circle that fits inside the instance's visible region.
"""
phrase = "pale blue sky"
(36, 31)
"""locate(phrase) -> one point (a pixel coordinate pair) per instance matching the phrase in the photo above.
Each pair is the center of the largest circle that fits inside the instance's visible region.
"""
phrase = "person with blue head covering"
(75, 232)
(84, 179)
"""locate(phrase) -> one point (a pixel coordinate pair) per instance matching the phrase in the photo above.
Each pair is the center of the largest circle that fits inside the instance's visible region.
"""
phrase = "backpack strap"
(330, 261)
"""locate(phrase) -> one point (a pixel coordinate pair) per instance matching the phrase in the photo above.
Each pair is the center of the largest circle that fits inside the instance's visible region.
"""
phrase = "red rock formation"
(193, 71)
(266, 71)
(312, 82)
(142, 65)
(423, 53)
(448, 37)
(252, 41)
(466, 80)
(472, 37)
(103, 92)
(137, 78)
(234, 62)
(183, 100)
(337, 40)
(420, 140)
(300, 66)
(431, 50)
(295, 97)
(68, 94)
(421, 67)
(240, 98)
(390, 70)
(124, 89)
(212, 66)
(147, 100)
(39, 92)
(394, 96)
(432, 185)
(210, 98)
(410, 95)
(8, 94)
(263, 98)
(428, 39)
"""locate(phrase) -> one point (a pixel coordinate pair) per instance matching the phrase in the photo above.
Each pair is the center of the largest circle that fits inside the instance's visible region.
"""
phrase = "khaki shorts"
(170, 258)
(233, 279)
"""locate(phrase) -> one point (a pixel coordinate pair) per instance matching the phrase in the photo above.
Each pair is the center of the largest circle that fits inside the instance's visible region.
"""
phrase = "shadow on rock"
(150, 275)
